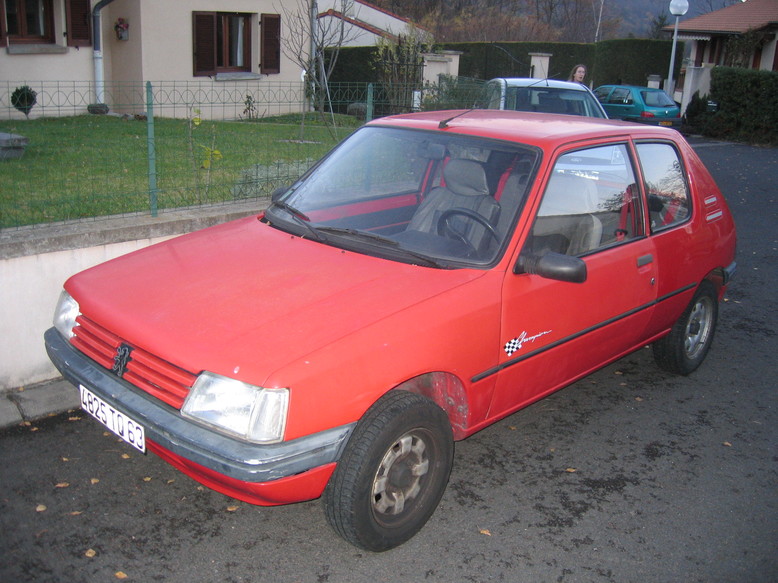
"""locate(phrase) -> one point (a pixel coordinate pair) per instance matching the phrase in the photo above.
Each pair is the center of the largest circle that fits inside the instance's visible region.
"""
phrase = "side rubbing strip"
(508, 363)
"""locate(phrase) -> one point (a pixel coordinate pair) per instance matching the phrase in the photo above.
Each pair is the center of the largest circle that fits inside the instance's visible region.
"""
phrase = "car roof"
(539, 129)
(531, 82)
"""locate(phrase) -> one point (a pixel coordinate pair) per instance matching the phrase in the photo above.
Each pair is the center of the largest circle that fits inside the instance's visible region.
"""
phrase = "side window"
(492, 96)
(621, 97)
(665, 184)
(591, 201)
(601, 93)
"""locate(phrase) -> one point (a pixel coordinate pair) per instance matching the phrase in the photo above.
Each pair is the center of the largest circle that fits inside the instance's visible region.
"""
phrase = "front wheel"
(687, 344)
(392, 474)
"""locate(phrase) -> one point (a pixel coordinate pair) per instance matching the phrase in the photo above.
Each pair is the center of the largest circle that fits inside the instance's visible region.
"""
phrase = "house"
(742, 34)
(356, 23)
(79, 52)
(364, 23)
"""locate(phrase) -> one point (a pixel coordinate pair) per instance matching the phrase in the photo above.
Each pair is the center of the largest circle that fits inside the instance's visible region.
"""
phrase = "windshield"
(420, 197)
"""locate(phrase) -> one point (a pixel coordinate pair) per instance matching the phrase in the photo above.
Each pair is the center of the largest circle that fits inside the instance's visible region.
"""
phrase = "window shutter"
(79, 29)
(271, 44)
(204, 43)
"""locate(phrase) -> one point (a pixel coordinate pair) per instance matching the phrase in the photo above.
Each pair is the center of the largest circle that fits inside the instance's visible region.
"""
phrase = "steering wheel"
(444, 228)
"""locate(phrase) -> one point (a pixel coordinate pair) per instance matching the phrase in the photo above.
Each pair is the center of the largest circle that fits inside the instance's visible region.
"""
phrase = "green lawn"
(91, 166)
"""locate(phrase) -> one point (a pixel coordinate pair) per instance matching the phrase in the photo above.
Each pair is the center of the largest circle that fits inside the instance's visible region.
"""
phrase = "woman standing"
(578, 74)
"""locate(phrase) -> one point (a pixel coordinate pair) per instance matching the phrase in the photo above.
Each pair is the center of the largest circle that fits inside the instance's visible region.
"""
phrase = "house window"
(222, 42)
(27, 21)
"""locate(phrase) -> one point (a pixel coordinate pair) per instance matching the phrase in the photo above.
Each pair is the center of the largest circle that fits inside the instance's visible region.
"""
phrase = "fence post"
(369, 109)
(152, 150)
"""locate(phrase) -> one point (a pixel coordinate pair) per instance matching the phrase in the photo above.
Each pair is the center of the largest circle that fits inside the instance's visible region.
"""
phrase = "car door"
(554, 332)
(670, 211)
(622, 104)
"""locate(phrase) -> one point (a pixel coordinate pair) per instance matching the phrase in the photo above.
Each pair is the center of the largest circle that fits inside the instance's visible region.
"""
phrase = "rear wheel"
(392, 474)
(684, 349)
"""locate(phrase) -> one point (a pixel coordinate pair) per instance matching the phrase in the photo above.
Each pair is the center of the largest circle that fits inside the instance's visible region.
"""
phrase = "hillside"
(573, 20)
(636, 15)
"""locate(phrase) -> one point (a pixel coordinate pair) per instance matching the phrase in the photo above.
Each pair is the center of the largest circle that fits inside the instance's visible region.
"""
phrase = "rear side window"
(665, 183)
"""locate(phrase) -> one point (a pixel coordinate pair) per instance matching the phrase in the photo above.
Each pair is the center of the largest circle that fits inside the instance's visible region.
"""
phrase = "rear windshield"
(657, 99)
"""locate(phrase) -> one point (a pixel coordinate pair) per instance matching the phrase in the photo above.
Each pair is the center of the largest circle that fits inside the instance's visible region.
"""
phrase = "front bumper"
(193, 445)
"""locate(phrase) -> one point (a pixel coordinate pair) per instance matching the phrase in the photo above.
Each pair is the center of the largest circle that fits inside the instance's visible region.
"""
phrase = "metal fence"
(168, 145)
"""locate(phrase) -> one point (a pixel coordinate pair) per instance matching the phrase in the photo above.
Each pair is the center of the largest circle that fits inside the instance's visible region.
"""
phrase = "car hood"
(244, 296)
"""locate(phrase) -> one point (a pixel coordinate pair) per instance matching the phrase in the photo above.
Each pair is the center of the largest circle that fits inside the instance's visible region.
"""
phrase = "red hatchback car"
(433, 274)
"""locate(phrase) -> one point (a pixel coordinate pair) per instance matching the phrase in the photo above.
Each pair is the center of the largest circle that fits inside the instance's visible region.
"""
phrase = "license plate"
(125, 427)
(665, 123)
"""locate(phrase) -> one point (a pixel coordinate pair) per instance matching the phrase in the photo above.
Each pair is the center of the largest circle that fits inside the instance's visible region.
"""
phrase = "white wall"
(28, 293)
(34, 264)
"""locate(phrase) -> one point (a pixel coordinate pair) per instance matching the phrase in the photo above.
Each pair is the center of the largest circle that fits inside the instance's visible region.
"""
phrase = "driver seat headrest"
(465, 177)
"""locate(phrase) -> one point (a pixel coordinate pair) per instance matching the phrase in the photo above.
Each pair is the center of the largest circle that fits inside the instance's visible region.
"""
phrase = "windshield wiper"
(384, 241)
(359, 235)
(300, 218)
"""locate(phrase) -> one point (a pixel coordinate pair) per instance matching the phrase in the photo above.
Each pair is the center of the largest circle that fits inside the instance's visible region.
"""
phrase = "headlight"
(252, 413)
(65, 314)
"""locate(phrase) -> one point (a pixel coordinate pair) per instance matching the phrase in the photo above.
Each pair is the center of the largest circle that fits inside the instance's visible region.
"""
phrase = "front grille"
(144, 370)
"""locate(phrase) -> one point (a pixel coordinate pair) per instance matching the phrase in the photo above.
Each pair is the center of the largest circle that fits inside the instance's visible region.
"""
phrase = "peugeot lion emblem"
(121, 359)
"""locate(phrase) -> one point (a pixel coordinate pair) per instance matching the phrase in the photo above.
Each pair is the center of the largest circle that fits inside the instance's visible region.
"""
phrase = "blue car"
(640, 104)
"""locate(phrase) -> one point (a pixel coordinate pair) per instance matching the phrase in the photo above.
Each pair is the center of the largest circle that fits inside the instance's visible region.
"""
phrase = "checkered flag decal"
(512, 346)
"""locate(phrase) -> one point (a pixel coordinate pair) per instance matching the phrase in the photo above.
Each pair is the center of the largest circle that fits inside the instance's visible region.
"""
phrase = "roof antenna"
(444, 123)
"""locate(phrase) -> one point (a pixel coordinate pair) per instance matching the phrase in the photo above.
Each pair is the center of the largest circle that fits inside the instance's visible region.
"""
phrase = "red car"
(433, 274)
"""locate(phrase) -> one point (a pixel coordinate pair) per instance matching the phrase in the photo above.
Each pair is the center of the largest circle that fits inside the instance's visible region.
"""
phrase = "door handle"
(645, 260)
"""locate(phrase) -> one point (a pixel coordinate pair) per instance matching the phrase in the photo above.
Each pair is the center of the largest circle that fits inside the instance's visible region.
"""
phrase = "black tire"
(392, 473)
(687, 344)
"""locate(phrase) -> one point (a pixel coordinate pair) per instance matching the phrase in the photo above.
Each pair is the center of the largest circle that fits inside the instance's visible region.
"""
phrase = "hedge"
(614, 61)
(746, 108)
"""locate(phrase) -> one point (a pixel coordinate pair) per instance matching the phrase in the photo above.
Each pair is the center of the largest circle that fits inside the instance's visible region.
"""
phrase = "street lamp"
(677, 8)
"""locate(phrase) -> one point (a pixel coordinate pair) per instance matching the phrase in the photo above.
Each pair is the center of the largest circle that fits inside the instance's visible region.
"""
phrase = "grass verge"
(92, 166)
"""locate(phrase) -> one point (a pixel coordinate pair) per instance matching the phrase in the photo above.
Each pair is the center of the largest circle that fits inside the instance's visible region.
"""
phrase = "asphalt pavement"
(631, 474)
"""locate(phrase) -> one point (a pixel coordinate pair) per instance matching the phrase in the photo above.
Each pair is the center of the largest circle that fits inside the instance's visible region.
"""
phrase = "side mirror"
(552, 266)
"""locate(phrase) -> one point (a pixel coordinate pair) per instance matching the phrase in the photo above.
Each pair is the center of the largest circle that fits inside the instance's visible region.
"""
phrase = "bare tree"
(657, 24)
(309, 33)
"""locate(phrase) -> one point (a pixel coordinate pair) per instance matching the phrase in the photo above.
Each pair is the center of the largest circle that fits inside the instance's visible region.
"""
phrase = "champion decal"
(515, 344)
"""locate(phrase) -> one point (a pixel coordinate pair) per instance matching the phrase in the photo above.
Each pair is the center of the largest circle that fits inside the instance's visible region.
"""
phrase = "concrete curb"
(25, 404)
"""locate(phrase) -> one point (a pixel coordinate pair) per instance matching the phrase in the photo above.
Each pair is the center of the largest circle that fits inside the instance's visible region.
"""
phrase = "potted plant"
(122, 29)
